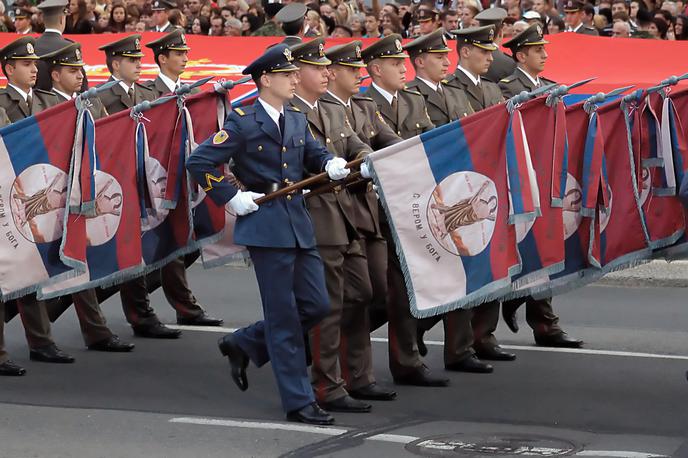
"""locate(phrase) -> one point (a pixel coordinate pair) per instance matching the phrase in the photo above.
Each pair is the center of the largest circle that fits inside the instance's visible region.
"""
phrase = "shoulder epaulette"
(362, 97)
(41, 91)
(333, 102)
(412, 92)
(293, 108)
(240, 112)
(508, 79)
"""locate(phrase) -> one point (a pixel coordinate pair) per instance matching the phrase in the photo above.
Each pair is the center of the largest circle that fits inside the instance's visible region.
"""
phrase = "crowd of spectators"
(653, 19)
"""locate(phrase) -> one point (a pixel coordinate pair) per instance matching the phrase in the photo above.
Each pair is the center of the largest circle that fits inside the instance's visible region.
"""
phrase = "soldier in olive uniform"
(123, 59)
(336, 238)
(528, 49)
(573, 9)
(366, 120)
(270, 28)
(20, 100)
(343, 89)
(171, 53)
(445, 104)
(502, 65)
(65, 67)
(292, 19)
(405, 112)
(160, 9)
(475, 46)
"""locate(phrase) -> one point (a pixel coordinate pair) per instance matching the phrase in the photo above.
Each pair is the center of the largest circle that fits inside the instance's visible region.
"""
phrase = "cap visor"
(571, 11)
(288, 68)
(357, 64)
(321, 61)
(490, 47)
(132, 54)
(440, 50)
(180, 48)
(398, 56)
(541, 42)
(29, 57)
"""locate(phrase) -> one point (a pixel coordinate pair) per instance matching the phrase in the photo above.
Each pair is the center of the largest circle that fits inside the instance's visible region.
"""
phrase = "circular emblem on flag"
(102, 227)
(37, 200)
(29, 48)
(220, 137)
(157, 185)
(462, 212)
(646, 185)
(572, 204)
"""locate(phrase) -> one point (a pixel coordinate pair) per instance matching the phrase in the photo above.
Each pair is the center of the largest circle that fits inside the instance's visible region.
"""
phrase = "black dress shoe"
(559, 340)
(50, 354)
(112, 345)
(421, 377)
(373, 392)
(156, 331)
(509, 309)
(311, 414)
(422, 348)
(238, 360)
(11, 369)
(347, 404)
(202, 320)
(494, 354)
(470, 364)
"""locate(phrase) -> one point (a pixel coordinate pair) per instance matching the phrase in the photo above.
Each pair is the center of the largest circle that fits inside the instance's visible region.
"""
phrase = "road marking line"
(618, 454)
(580, 351)
(392, 438)
(261, 425)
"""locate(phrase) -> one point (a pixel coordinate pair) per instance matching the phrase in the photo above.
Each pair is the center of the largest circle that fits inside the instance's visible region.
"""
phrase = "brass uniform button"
(417, 126)
(284, 149)
(285, 165)
(260, 147)
(301, 141)
(342, 134)
(327, 140)
(399, 133)
(372, 132)
(289, 197)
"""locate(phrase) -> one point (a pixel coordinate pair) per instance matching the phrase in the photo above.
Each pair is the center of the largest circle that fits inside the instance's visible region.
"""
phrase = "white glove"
(365, 172)
(336, 169)
(243, 202)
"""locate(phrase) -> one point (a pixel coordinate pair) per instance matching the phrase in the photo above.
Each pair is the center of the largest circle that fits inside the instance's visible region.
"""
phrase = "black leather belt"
(269, 188)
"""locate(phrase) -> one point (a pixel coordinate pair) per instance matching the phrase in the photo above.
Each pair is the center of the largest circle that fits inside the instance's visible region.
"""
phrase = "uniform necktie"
(394, 104)
(281, 124)
(130, 92)
(349, 114)
(29, 102)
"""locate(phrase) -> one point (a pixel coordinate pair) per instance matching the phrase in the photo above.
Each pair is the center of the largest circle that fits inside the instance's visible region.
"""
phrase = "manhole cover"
(492, 445)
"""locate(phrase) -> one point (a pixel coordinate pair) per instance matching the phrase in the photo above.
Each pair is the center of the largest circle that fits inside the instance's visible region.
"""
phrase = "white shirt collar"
(346, 104)
(433, 86)
(312, 107)
(474, 79)
(171, 85)
(22, 93)
(124, 85)
(388, 97)
(575, 29)
(25, 32)
(160, 29)
(536, 81)
(271, 111)
(63, 94)
(54, 31)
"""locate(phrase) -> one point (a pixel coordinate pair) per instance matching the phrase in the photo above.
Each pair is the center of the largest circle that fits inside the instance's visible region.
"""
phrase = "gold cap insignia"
(287, 54)
(137, 44)
(77, 53)
(321, 50)
(397, 43)
(539, 29)
(183, 38)
(29, 48)
(444, 40)
(357, 50)
(491, 36)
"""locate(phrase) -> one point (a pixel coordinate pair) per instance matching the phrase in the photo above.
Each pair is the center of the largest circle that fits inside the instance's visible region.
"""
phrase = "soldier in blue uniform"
(271, 147)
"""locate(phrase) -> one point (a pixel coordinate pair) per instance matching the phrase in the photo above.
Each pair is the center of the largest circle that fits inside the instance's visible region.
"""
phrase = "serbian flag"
(541, 241)
(113, 230)
(161, 136)
(662, 211)
(623, 237)
(577, 227)
(35, 156)
(213, 224)
(446, 195)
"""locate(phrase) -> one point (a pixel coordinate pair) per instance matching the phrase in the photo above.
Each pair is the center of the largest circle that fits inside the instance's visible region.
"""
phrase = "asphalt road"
(623, 396)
